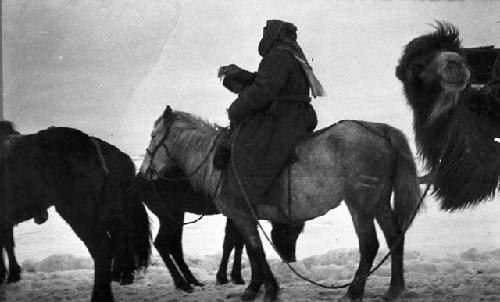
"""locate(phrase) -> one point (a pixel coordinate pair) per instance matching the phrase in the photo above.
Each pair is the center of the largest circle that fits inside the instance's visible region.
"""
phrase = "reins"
(187, 176)
(169, 154)
(298, 274)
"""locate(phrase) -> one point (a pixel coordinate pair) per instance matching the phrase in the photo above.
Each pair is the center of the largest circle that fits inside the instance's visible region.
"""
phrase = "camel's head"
(433, 73)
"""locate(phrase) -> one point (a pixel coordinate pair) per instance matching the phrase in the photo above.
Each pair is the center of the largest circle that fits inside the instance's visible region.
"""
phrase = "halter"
(168, 126)
(171, 157)
(157, 147)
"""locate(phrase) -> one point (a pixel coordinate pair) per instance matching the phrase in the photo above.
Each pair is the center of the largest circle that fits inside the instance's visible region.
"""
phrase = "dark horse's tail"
(139, 226)
(404, 177)
(131, 230)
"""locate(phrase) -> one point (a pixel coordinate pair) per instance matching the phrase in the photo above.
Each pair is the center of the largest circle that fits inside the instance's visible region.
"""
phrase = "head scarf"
(283, 35)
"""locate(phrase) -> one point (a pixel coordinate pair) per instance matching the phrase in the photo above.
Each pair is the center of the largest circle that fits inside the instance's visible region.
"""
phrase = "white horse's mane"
(192, 140)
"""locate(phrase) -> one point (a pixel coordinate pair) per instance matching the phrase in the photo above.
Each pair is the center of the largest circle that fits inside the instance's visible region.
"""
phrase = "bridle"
(163, 143)
(168, 126)
(151, 153)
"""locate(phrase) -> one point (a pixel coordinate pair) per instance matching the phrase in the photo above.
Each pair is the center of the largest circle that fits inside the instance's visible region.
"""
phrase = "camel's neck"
(444, 103)
(431, 110)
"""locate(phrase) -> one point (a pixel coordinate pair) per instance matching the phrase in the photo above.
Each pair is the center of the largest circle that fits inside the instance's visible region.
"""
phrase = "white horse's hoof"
(346, 298)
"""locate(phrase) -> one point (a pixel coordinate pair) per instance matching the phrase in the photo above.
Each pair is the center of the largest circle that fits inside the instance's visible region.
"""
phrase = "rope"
(298, 274)
(211, 198)
(187, 176)
(158, 197)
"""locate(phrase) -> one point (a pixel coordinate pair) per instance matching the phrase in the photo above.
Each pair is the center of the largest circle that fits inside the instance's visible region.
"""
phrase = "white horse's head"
(157, 159)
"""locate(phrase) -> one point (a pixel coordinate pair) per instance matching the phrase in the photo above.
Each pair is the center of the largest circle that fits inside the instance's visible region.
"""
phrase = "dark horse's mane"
(458, 146)
(65, 141)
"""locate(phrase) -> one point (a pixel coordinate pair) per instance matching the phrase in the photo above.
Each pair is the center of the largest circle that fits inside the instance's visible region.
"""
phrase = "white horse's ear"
(167, 114)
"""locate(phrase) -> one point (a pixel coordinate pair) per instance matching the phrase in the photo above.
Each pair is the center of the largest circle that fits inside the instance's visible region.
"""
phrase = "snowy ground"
(450, 257)
(468, 276)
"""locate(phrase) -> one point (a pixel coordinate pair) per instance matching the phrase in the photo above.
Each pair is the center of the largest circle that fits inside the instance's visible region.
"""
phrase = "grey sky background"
(110, 67)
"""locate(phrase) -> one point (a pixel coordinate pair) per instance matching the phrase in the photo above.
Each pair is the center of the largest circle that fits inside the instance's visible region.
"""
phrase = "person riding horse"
(272, 114)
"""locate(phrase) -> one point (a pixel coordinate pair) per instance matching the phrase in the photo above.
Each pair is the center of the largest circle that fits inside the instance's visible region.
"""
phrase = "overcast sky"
(110, 67)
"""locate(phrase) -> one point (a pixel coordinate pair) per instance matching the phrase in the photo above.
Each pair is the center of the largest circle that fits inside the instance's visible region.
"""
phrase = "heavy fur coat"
(271, 116)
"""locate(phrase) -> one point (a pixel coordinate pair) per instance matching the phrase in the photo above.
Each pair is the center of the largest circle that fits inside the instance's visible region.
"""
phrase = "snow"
(449, 257)
(468, 276)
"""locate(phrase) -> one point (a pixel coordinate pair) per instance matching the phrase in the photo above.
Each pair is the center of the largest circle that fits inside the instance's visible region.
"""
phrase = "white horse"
(359, 162)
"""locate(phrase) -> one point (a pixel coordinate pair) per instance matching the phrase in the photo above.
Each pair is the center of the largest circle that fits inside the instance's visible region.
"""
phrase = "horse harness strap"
(105, 174)
(100, 155)
(169, 154)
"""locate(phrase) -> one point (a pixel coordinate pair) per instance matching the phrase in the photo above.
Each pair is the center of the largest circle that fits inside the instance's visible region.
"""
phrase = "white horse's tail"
(405, 184)
(404, 179)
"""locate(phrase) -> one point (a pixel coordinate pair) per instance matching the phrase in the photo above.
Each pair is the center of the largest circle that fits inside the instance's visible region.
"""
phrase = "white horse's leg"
(368, 247)
(392, 233)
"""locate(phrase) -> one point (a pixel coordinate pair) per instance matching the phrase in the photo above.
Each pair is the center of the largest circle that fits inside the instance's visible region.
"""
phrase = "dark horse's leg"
(123, 270)
(232, 239)
(7, 243)
(392, 232)
(2, 272)
(261, 272)
(238, 251)
(163, 242)
(84, 224)
(178, 255)
(368, 247)
(14, 268)
(2, 265)
(123, 256)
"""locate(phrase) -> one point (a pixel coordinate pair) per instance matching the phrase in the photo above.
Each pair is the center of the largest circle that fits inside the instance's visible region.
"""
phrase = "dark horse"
(359, 162)
(7, 130)
(455, 125)
(169, 197)
(90, 184)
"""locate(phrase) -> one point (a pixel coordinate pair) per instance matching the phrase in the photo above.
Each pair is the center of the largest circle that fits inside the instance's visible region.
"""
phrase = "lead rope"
(298, 274)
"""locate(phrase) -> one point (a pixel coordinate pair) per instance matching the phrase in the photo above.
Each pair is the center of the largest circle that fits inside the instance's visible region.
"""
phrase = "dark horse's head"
(450, 130)
(7, 128)
(284, 236)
